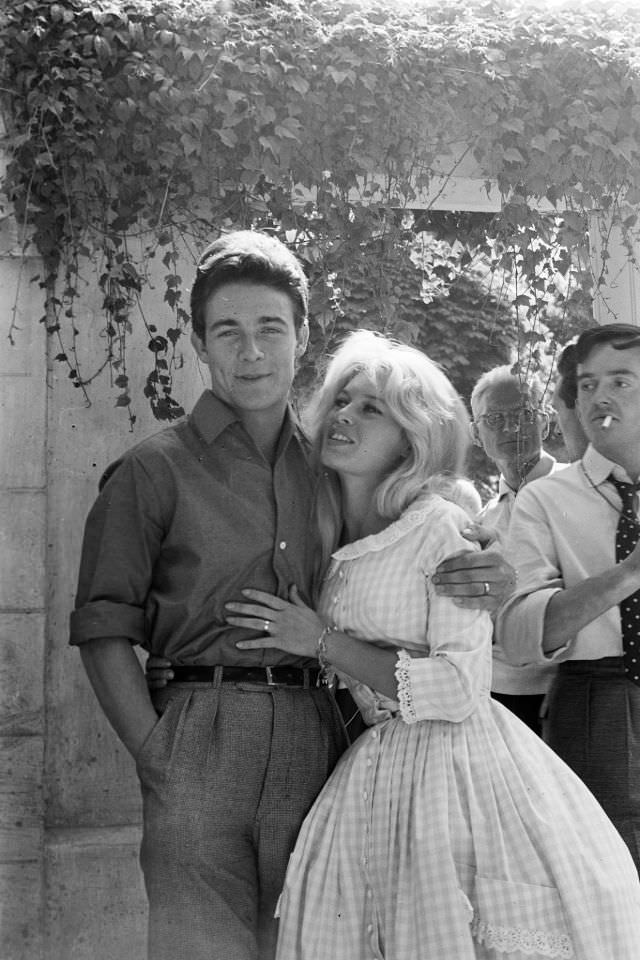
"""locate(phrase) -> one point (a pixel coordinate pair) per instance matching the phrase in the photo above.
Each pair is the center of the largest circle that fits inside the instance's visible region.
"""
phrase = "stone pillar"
(23, 595)
(70, 882)
(96, 906)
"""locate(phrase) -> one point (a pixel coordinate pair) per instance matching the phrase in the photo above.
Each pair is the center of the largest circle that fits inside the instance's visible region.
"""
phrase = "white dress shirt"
(562, 531)
(534, 678)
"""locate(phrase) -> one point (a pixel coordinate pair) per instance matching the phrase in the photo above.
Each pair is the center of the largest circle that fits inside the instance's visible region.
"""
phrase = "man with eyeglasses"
(574, 540)
(510, 423)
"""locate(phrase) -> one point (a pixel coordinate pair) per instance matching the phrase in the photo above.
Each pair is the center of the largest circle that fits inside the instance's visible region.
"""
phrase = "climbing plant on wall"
(137, 130)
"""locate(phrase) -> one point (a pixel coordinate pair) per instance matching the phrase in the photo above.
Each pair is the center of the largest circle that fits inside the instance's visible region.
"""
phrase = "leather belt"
(271, 676)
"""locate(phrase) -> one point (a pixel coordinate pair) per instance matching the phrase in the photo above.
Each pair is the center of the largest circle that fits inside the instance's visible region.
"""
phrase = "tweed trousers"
(227, 775)
(593, 723)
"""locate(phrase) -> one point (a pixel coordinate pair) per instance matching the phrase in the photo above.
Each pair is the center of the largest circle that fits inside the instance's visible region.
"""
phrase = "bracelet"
(326, 670)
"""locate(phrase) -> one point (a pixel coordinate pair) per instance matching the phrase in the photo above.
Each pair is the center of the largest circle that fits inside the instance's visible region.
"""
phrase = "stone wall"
(23, 600)
(70, 884)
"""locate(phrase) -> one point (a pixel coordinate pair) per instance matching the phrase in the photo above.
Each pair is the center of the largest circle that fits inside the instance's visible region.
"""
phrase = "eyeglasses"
(498, 419)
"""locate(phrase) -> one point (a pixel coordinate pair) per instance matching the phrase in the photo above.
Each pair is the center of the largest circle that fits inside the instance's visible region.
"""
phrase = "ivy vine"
(136, 130)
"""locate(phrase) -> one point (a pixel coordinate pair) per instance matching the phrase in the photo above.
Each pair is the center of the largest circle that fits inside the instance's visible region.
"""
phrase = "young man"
(216, 503)
(185, 521)
(573, 540)
(510, 423)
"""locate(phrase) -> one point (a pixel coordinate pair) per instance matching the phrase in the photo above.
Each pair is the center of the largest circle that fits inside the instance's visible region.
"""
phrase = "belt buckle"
(270, 681)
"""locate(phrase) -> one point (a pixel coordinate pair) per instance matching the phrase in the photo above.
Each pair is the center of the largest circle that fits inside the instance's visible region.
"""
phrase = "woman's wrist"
(327, 671)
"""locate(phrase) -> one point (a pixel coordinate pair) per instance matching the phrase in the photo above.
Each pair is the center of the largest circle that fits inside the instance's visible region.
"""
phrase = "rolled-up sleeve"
(122, 538)
(530, 547)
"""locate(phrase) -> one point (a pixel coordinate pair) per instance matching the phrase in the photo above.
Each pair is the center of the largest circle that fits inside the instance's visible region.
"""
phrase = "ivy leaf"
(289, 128)
(513, 155)
(102, 47)
(191, 145)
(158, 344)
(124, 109)
(227, 136)
(270, 144)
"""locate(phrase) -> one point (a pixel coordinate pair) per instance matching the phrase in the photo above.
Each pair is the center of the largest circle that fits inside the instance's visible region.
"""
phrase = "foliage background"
(138, 130)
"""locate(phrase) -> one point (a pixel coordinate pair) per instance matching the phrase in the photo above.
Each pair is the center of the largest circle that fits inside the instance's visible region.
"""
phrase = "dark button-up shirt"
(185, 521)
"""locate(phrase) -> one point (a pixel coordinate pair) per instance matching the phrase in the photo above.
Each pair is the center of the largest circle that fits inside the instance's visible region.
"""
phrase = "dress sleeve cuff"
(403, 679)
(104, 619)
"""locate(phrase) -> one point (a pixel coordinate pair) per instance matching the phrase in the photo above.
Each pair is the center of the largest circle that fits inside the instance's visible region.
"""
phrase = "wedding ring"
(486, 588)
(265, 626)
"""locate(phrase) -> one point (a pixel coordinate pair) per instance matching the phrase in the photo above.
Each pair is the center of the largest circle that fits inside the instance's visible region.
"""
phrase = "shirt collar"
(545, 465)
(599, 467)
(211, 416)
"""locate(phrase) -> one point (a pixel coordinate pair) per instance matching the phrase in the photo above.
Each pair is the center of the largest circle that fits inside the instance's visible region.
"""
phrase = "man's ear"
(199, 347)
(303, 338)
(546, 426)
(475, 435)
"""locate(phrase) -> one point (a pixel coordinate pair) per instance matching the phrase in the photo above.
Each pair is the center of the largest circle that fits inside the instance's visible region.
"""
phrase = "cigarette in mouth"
(606, 423)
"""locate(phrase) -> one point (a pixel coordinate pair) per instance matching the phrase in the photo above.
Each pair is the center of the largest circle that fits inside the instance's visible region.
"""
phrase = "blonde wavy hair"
(421, 400)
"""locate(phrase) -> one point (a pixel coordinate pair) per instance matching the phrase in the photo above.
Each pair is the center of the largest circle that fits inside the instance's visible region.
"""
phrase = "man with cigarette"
(574, 541)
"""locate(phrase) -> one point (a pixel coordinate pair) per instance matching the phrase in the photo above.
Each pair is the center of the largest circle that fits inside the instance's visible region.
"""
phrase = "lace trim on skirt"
(529, 942)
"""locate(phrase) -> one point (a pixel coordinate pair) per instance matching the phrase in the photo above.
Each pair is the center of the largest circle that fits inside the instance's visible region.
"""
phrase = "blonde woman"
(448, 831)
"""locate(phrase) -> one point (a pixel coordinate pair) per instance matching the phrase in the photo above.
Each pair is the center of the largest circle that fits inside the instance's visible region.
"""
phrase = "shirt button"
(283, 544)
(365, 794)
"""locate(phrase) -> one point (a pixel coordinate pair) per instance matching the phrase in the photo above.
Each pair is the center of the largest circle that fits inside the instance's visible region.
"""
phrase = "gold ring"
(265, 626)
(486, 588)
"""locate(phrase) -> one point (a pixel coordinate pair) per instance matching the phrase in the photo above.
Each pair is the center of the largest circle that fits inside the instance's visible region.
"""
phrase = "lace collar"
(414, 516)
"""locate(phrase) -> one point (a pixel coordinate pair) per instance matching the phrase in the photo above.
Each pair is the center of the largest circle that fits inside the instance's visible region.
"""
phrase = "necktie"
(626, 539)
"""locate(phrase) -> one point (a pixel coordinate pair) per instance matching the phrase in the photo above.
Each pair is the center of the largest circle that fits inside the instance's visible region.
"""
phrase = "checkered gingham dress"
(448, 831)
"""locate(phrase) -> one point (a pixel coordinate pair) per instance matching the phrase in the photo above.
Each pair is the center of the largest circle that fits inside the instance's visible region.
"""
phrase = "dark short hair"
(620, 336)
(568, 384)
(250, 257)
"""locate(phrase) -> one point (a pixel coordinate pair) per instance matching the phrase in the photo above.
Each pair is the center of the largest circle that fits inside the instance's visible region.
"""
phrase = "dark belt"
(603, 666)
(272, 676)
